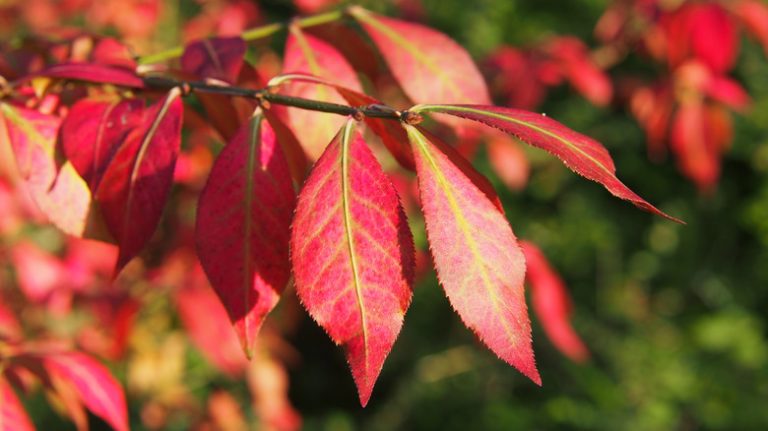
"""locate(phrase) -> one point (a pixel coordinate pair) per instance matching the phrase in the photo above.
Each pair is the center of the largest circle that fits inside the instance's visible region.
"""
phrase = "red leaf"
(508, 161)
(10, 328)
(243, 224)
(754, 15)
(478, 261)
(429, 65)
(219, 58)
(392, 135)
(581, 154)
(352, 255)
(552, 304)
(13, 417)
(574, 58)
(39, 273)
(93, 131)
(307, 54)
(59, 192)
(135, 186)
(698, 142)
(294, 153)
(94, 384)
(213, 335)
(93, 72)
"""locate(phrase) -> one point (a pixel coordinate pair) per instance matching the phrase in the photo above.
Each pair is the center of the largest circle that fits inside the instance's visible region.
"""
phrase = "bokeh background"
(674, 316)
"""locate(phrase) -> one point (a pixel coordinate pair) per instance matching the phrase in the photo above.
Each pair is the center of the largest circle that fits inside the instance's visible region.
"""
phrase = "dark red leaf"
(243, 222)
(135, 186)
(219, 58)
(93, 72)
(93, 131)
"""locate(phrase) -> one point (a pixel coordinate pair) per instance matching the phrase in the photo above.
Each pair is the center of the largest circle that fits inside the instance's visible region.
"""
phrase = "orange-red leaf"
(552, 304)
(93, 383)
(352, 255)
(136, 184)
(429, 65)
(13, 417)
(243, 224)
(307, 54)
(58, 191)
(476, 255)
(581, 154)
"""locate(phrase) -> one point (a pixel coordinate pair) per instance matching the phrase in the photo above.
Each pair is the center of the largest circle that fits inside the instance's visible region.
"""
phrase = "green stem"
(250, 35)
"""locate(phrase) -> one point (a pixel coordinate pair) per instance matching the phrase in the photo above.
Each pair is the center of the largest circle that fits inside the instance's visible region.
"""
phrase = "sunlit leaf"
(96, 387)
(307, 54)
(13, 417)
(427, 64)
(478, 261)
(352, 255)
(581, 154)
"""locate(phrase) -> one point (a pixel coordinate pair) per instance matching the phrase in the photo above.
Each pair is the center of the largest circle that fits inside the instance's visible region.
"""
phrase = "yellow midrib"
(443, 108)
(345, 140)
(464, 227)
(254, 139)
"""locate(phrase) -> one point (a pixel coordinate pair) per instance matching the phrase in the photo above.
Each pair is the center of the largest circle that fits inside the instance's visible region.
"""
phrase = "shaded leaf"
(352, 255)
(427, 64)
(93, 131)
(478, 261)
(136, 184)
(307, 54)
(94, 384)
(219, 58)
(552, 304)
(243, 223)
(93, 72)
(581, 154)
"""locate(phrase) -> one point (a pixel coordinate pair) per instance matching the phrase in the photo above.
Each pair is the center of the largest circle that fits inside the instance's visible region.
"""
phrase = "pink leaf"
(581, 154)
(59, 192)
(508, 161)
(136, 184)
(219, 58)
(430, 66)
(552, 304)
(93, 131)
(352, 255)
(94, 384)
(307, 54)
(478, 261)
(243, 223)
(13, 417)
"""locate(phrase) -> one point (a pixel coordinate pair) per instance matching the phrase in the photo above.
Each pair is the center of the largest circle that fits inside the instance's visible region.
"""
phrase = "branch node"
(358, 114)
(411, 118)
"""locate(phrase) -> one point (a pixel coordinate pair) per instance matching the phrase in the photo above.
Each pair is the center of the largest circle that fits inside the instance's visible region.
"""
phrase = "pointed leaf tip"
(243, 223)
(476, 255)
(580, 153)
(353, 256)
